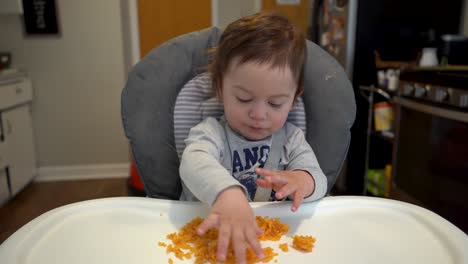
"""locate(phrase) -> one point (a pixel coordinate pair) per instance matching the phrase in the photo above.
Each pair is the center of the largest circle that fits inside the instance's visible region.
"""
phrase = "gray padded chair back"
(149, 97)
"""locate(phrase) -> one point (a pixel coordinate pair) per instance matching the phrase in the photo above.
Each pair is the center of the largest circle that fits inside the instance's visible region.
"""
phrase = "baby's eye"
(243, 100)
(275, 105)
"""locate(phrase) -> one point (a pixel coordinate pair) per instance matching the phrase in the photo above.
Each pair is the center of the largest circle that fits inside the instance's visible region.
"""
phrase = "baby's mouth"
(256, 128)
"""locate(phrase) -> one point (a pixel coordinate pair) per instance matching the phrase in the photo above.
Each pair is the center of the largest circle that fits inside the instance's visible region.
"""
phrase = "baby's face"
(257, 98)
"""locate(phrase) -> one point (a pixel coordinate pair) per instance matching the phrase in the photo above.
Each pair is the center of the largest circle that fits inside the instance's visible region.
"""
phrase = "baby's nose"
(258, 112)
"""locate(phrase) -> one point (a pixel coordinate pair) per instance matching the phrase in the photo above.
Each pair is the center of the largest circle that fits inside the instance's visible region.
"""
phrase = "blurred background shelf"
(379, 141)
(385, 135)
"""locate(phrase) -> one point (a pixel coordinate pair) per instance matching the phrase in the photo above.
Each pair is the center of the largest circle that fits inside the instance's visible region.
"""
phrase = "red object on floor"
(135, 180)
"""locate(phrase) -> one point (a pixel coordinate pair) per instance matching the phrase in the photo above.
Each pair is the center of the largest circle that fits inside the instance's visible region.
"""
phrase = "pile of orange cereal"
(187, 243)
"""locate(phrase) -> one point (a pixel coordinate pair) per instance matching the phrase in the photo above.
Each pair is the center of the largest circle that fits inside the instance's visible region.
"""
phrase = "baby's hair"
(265, 37)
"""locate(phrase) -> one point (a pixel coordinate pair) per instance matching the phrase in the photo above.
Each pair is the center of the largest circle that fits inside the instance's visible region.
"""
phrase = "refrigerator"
(353, 30)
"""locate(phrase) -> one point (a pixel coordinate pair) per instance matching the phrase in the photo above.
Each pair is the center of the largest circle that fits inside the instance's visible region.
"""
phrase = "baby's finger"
(286, 190)
(255, 244)
(298, 198)
(278, 180)
(265, 183)
(238, 244)
(257, 229)
(212, 221)
(224, 235)
(264, 172)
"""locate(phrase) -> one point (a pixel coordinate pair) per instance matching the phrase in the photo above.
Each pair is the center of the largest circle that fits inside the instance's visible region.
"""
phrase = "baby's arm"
(202, 172)
(302, 158)
(200, 167)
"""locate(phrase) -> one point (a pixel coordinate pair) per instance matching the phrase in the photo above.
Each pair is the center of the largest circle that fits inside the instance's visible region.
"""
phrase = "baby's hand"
(232, 215)
(297, 183)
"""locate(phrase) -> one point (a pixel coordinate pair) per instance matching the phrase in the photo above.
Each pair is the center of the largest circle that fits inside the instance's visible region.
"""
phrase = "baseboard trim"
(83, 172)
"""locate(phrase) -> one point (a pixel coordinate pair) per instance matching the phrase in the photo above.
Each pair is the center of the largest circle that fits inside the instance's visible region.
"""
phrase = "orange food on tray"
(284, 247)
(187, 243)
(162, 244)
(272, 228)
(304, 243)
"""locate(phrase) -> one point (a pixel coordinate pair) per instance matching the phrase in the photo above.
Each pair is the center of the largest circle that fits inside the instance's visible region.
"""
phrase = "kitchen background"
(77, 75)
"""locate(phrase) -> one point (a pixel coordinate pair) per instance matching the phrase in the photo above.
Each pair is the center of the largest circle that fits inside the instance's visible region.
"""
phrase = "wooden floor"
(40, 197)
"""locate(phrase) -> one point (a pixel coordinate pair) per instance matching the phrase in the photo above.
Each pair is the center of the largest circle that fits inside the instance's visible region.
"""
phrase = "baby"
(251, 153)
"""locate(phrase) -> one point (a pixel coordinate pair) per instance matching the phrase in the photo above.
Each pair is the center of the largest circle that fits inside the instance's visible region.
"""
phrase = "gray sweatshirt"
(216, 157)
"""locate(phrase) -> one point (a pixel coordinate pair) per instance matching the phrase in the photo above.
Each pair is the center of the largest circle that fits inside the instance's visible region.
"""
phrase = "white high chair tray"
(348, 230)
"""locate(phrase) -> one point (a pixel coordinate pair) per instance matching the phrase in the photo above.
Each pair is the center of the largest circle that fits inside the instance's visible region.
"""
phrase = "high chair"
(149, 98)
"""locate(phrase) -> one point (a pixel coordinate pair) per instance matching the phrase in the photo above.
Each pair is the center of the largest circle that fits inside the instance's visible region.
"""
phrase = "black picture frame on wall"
(40, 17)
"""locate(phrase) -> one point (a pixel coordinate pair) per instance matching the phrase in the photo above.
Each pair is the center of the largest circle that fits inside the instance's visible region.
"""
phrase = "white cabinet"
(11, 7)
(20, 147)
(17, 154)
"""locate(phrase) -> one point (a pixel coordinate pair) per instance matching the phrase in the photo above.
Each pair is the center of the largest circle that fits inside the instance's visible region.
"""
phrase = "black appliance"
(431, 154)
(352, 30)
(454, 50)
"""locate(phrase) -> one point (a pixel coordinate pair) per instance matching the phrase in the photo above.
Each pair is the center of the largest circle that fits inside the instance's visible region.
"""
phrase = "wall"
(77, 80)
(225, 12)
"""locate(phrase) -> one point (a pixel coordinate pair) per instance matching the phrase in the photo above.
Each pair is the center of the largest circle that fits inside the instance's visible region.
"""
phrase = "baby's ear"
(299, 94)
(296, 97)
